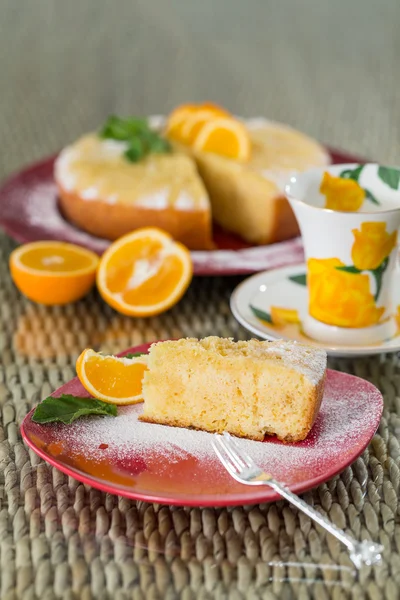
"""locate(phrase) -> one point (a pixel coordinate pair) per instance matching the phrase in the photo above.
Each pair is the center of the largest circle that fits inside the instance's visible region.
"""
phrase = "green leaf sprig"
(67, 409)
(136, 132)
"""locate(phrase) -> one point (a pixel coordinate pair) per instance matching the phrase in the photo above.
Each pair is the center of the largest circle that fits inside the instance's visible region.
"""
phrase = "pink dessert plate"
(170, 465)
(29, 212)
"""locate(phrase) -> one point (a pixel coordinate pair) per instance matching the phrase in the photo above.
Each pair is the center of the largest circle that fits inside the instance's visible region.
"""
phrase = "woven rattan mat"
(329, 68)
(59, 538)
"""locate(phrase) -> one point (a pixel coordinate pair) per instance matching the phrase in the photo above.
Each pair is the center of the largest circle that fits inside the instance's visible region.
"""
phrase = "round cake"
(182, 191)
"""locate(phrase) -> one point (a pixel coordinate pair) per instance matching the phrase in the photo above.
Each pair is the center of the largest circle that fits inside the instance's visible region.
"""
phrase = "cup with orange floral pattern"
(349, 216)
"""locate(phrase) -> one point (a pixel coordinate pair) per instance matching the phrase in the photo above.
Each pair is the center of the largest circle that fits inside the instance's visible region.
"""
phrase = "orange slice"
(110, 378)
(53, 272)
(186, 120)
(195, 121)
(177, 120)
(225, 136)
(144, 273)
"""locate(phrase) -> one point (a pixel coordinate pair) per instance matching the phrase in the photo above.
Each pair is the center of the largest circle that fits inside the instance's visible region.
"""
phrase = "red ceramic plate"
(29, 212)
(143, 461)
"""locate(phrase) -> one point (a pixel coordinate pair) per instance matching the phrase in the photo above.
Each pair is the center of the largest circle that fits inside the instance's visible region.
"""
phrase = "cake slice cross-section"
(250, 389)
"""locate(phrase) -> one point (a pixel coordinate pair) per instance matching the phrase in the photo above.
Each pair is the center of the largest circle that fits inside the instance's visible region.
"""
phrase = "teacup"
(349, 216)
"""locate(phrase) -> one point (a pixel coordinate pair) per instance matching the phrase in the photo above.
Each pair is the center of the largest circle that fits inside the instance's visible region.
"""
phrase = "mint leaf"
(116, 128)
(135, 151)
(300, 279)
(137, 134)
(160, 146)
(67, 409)
(390, 176)
(349, 269)
(134, 354)
(260, 314)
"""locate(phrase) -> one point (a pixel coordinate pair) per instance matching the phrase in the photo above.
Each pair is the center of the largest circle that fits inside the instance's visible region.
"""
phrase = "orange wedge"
(112, 379)
(177, 119)
(225, 136)
(186, 120)
(195, 121)
(144, 273)
(53, 272)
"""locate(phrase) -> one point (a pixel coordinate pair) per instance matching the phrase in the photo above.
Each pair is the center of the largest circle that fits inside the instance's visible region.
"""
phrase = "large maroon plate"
(29, 212)
(178, 466)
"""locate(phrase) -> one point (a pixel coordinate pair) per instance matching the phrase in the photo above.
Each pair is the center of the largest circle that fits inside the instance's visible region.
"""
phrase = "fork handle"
(360, 552)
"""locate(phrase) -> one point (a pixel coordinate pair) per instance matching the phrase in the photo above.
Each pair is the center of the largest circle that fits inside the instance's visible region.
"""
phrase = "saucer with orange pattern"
(273, 304)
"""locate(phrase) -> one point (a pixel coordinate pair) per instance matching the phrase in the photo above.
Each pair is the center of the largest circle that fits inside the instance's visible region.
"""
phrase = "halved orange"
(225, 136)
(110, 378)
(144, 273)
(53, 272)
(195, 121)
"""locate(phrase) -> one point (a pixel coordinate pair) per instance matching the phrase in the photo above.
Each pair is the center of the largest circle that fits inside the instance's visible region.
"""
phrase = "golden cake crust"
(111, 221)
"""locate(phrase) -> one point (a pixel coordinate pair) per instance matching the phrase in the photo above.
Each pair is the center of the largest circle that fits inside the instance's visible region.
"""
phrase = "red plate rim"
(251, 496)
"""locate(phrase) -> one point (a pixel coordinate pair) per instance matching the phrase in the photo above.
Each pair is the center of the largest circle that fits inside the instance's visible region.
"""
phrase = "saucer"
(274, 304)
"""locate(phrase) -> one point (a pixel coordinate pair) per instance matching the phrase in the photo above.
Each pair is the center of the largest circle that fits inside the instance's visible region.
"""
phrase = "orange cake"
(128, 175)
(249, 389)
(247, 197)
(104, 193)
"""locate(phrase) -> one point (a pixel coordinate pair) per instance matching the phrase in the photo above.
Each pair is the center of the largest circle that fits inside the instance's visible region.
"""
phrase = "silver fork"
(242, 468)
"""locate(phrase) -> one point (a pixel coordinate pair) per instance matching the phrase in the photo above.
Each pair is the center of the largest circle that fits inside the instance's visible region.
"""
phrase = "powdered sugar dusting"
(309, 361)
(349, 409)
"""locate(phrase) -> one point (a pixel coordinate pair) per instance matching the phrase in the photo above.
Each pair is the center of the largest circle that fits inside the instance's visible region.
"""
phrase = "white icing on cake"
(157, 200)
(96, 169)
(90, 193)
(62, 168)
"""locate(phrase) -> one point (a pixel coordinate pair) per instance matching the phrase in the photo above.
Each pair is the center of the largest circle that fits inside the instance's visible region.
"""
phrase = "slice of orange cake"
(108, 194)
(249, 389)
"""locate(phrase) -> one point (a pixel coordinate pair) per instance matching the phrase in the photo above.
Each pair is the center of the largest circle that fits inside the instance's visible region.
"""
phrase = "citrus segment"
(195, 121)
(53, 272)
(177, 119)
(110, 378)
(224, 136)
(144, 273)
(186, 120)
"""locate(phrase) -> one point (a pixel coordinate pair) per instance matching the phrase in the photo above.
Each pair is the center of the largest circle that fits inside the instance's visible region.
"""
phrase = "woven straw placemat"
(329, 68)
(61, 539)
